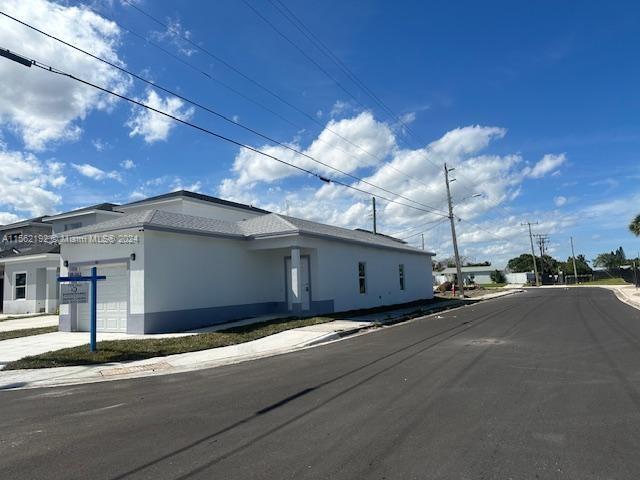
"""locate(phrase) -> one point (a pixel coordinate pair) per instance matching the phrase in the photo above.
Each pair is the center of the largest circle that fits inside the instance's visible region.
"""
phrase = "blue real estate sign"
(76, 283)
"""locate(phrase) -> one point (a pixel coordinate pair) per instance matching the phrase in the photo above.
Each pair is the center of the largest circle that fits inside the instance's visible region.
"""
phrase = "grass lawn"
(27, 332)
(606, 281)
(492, 285)
(124, 350)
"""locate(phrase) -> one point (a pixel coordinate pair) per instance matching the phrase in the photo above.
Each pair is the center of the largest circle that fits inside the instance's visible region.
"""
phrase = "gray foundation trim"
(180, 320)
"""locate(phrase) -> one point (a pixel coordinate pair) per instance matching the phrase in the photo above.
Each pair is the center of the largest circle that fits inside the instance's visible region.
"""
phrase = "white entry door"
(113, 294)
(306, 285)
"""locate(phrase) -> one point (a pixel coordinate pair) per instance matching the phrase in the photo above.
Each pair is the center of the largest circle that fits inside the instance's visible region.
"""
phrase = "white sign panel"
(74, 292)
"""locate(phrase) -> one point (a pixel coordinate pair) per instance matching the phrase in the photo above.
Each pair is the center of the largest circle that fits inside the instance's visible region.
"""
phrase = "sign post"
(77, 294)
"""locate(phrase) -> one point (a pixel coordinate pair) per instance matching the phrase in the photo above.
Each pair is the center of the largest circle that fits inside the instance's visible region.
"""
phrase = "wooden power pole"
(453, 232)
(533, 252)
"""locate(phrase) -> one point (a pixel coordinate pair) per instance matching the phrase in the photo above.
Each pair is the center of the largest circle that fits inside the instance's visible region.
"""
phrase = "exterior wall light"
(133, 257)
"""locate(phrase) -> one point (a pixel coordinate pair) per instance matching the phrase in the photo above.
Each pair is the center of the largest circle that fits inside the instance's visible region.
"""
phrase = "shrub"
(498, 277)
(445, 287)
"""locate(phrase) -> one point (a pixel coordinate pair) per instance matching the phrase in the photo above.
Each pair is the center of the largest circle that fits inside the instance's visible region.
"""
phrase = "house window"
(362, 277)
(72, 226)
(401, 273)
(20, 286)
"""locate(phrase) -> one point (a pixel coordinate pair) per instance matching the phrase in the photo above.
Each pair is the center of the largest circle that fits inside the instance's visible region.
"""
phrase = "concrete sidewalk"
(28, 322)
(279, 343)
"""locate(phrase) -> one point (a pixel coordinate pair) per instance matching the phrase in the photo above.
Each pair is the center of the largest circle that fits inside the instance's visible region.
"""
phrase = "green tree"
(582, 266)
(524, 263)
(611, 260)
(521, 263)
(634, 226)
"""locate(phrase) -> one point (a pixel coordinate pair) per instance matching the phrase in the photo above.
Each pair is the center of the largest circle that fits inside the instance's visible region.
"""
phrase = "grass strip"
(127, 350)
(27, 332)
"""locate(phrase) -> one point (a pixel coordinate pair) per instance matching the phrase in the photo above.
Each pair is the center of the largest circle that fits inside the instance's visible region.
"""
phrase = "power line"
(438, 223)
(277, 96)
(297, 47)
(414, 227)
(322, 47)
(32, 62)
(302, 28)
(253, 81)
(213, 112)
(245, 97)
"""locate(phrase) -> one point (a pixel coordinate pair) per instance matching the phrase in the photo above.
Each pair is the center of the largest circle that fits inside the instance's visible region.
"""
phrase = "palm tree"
(634, 226)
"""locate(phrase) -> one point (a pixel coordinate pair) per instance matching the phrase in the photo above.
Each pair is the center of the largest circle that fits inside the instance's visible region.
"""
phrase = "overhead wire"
(53, 70)
(213, 112)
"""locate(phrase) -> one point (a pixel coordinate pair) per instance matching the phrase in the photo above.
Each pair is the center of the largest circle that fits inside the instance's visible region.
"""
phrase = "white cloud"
(128, 164)
(559, 201)
(413, 173)
(178, 184)
(549, 163)
(152, 126)
(100, 145)
(175, 34)
(95, 173)
(6, 218)
(466, 140)
(368, 143)
(41, 107)
(27, 185)
(340, 108)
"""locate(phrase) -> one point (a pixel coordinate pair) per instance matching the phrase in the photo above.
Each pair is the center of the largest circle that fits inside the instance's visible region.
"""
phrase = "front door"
(306, 285)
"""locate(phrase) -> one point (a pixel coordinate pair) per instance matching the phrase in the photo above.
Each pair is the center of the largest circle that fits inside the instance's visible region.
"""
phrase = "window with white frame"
(401, 274)
(20, 286)
(362, 277)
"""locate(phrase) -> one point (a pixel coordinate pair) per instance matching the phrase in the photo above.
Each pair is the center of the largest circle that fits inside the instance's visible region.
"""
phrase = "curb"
(624, 299)
(64, 376)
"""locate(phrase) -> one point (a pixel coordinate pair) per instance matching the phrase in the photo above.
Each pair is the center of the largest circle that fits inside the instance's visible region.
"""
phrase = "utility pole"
(453, 231)
(422, 235)
(533, 253)
(542, 240)
(575, 270)
(375, 227)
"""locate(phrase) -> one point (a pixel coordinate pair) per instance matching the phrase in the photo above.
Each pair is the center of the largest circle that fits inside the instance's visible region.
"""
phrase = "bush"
(445, 287)
(498, 277)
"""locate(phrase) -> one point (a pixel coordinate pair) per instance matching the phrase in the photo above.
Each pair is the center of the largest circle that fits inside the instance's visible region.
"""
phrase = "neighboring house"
(479, 275)
(28, 266)
(184, 260)
(30, 260)
(82, 217)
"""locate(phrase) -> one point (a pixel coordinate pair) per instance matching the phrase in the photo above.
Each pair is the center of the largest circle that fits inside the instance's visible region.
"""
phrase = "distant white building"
(482, 275)
(184, 260)
(479, 275)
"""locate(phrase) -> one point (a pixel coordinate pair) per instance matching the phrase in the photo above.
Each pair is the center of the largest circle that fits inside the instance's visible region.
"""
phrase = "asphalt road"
(544, 384)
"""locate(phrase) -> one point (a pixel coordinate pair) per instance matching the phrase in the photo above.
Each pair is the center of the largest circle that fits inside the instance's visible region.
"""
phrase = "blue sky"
(536, 104)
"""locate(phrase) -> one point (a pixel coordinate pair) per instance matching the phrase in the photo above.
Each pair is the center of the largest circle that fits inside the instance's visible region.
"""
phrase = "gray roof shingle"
(255, 228)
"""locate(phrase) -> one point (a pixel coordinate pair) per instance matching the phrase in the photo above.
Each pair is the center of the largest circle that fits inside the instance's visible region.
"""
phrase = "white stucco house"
(184, 260)
(30, 259)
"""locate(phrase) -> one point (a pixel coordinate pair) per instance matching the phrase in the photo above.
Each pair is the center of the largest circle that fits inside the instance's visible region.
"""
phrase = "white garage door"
(113, 294)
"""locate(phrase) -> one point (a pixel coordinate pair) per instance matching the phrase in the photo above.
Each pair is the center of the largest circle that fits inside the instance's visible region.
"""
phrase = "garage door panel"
(113, 294)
